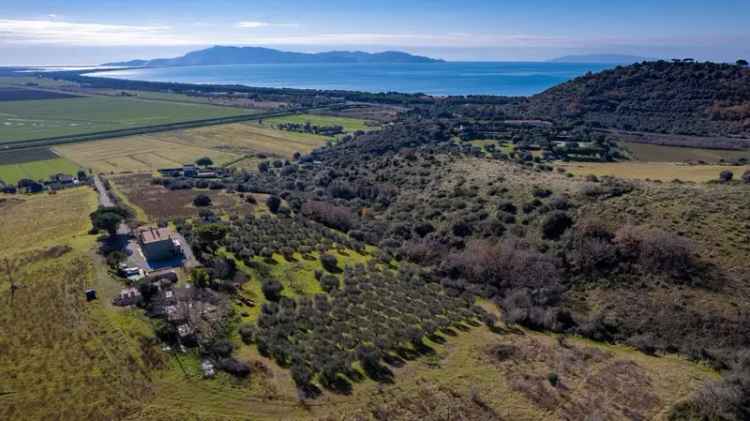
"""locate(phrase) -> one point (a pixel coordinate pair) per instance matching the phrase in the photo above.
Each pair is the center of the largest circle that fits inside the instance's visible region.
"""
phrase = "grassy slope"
(21, 120)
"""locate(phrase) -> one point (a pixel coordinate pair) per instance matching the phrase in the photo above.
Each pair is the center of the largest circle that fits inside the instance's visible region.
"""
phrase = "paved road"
(104, 198)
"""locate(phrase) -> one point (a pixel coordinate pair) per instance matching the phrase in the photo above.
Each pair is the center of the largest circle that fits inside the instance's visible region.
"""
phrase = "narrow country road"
(104, 198)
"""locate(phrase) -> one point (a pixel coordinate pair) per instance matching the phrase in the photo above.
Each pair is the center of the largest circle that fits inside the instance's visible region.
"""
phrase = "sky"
(86, 32)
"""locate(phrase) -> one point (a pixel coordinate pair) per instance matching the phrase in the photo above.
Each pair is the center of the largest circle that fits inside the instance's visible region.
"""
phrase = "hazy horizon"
(84, 32)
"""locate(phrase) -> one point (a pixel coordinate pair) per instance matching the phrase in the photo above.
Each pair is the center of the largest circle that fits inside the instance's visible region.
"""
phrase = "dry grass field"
(157, 202)
(137, 154)
(246, 138)
(42, 221)
(658, 153)
(662, 171)
(223, 143)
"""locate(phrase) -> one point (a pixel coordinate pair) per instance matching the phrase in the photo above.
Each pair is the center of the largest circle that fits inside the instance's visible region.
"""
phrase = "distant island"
(257, 55)
(599, 59)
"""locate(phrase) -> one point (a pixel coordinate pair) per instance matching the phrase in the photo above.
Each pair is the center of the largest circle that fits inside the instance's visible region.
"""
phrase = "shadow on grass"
(379, 373)
(339, 385)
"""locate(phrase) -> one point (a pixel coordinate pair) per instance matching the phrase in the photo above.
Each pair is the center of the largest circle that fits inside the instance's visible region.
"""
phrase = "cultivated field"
(662, 171)
(349, 124)
(25, 120)
(222, 143)
(244, 138)
(659, 153)
(34, 164)
(137, 154)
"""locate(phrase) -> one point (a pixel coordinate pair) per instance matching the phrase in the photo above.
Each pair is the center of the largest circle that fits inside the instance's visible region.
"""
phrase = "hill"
(599, 58)
(682, 97)
(257, 55)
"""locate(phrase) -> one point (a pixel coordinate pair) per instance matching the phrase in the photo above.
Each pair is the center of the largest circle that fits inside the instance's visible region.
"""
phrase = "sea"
(438, 79)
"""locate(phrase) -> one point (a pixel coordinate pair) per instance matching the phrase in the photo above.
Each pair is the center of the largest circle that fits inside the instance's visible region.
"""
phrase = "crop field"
(33, 164)
(661, 171)
(26, 120)
(23, 94)
(659, 153)
(349, 124)
(137, 154)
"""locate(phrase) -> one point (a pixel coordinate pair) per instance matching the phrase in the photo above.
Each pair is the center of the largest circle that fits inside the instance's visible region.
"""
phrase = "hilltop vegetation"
(666, 97)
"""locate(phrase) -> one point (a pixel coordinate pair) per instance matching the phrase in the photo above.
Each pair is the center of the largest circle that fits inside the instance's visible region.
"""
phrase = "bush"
(337, 217)
(726, 176)
(746, 177)
(656, 250)
(234, 367)
(329, 283)
(272, 290)
(202, 200)
(555, 224)
(205, 161)
(273, 203)
(507, 206)
(330, 263)
(248, 333)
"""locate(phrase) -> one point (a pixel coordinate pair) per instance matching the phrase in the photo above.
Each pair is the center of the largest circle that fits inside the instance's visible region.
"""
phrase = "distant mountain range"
(257, 55)
(600, 59)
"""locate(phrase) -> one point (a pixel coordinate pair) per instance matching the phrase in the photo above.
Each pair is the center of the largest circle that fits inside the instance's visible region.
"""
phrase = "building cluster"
(53, 183)
(194, 171)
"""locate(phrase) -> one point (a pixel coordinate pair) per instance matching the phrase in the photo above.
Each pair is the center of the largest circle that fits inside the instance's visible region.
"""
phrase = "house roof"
(152, 235)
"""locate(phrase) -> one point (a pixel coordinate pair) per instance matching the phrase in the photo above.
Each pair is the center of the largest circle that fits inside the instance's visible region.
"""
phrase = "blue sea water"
(442, 79)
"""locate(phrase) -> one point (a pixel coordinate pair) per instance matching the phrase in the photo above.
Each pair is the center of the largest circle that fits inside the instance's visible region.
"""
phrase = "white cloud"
(258, 24)
(93, 34)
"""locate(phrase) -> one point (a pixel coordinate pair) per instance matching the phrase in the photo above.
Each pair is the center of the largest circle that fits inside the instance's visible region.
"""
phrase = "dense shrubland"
(665, 97)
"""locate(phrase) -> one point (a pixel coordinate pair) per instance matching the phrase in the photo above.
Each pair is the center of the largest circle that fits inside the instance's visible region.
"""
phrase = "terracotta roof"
(153, 235)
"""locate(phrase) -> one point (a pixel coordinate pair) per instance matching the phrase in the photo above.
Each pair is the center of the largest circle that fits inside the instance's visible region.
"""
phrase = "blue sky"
(94, 31)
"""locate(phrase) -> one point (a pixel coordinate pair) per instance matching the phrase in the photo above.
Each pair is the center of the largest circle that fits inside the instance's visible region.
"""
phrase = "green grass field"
(26, 120)
(349, 124)
(36, 170)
